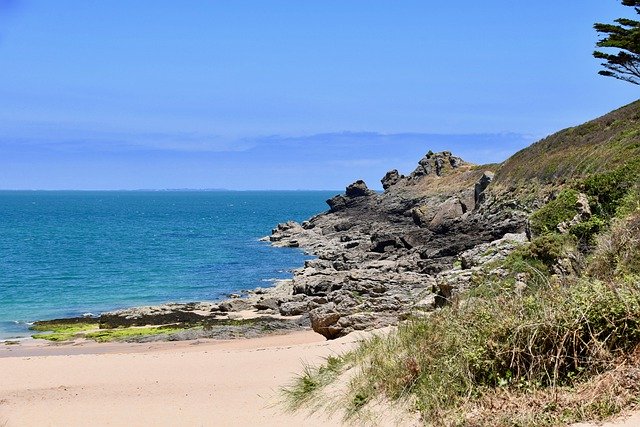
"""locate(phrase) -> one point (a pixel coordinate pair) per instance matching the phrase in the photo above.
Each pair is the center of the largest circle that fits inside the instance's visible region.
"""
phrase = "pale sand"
(201, 383)
(229, 383)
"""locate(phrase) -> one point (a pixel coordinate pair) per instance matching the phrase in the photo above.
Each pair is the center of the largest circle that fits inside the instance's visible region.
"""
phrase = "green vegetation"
(563, 208)
(571, 155)
(58, 332)
(543, 253)
(62, 331)
(610, 194)
(123, 334)
(625, 38)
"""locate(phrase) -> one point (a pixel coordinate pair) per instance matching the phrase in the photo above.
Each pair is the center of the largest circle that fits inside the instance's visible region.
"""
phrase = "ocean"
(66, 253)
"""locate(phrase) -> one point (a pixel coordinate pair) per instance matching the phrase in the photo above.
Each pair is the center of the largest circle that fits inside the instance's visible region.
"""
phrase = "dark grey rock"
(390, 178)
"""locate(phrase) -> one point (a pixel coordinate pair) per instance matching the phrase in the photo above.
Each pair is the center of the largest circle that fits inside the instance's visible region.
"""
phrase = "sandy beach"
(200, 383)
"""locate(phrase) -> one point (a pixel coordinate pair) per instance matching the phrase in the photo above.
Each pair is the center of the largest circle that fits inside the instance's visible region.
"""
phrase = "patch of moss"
(122, 334)
(63, 327)
(61, 331)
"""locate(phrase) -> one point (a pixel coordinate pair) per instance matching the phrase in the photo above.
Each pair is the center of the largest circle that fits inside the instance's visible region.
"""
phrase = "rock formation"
(379, 256)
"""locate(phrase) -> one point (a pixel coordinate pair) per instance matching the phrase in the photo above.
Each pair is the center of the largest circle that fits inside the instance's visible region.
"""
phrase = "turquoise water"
(70, 253)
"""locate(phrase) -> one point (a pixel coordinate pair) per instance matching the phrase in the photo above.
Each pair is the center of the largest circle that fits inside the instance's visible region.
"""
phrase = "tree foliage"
(624, 36)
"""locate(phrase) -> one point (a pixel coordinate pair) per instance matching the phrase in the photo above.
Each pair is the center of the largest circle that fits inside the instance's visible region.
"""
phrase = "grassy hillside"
(597, 146)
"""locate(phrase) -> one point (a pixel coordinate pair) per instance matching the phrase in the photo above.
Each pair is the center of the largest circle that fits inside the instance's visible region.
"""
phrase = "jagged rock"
(491, 252)
(382, 242)
(421, 216)
(358, 189)
(337, 203)
(324, 320)
(481, 185)
(451, 209)
(437, 163)
(391, 178)
(343, 226)
(427, 303)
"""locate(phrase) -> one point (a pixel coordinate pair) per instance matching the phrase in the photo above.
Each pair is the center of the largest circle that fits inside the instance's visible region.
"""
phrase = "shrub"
(607, 190)
(547, 218)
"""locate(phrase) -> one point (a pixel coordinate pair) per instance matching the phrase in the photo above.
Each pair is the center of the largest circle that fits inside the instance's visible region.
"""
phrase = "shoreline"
(40, 348)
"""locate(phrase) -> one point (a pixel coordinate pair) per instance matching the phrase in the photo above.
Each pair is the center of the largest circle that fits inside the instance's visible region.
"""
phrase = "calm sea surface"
(70, 253)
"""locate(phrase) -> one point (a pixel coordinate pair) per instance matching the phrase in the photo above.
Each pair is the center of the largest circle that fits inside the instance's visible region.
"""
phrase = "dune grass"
(494, 346)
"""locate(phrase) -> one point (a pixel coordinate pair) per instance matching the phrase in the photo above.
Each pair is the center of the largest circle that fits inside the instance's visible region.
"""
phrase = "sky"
(285, 94)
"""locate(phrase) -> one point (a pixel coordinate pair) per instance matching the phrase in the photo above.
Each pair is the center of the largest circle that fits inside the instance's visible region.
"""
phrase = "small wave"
(269, 280)
(19, 322)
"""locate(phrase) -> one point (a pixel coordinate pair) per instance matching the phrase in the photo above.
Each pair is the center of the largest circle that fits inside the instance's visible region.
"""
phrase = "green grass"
(303, 391)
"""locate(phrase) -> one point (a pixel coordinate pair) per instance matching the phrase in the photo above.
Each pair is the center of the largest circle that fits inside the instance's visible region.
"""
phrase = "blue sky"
(276, 94)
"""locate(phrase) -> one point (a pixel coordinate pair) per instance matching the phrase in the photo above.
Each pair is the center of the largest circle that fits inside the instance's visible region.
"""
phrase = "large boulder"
(448, 211)
(234, 305)
(337, 203)
(353, 191)
(294, 308)
(324, 320)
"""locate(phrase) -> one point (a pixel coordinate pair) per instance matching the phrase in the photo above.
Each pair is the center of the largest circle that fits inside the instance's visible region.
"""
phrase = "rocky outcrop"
(436, 164)
(382, 255)
(391, 178)
(481, 185)
(165, 314)
(354, 191)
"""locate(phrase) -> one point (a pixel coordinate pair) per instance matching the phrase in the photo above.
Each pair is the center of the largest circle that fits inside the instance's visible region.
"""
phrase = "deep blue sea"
(69, 253)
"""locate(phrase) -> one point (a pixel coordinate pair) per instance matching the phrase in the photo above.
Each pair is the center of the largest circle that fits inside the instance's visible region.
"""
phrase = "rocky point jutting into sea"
(380, 257)
(384, 257)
